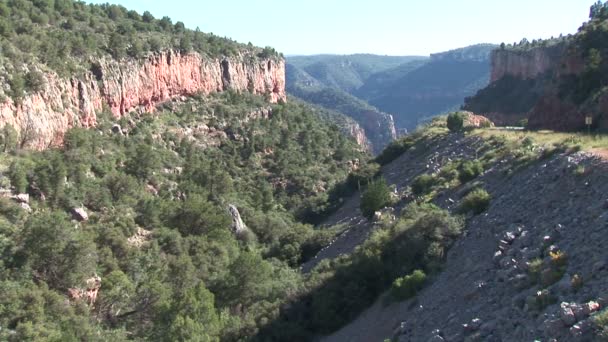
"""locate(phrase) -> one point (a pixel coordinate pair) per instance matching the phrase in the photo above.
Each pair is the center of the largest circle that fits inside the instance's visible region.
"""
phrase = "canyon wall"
(536, 84)
(524, 64)
(42, 118)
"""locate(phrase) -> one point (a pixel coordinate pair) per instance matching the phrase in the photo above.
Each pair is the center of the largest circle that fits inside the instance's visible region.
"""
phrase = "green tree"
(455, 122)
(9, 138)
(17, 83)
(196, 318)
(18, 176)
(117, 46)
(57, 253)
(197, 216)
(375, 197)
(143, 161)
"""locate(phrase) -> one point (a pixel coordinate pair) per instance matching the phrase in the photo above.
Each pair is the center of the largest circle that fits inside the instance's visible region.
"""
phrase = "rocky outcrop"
(529, 83)
(524, 64)
(355, 131)
(43, 117)
(238, 226)
(89, 293)
(476, 121)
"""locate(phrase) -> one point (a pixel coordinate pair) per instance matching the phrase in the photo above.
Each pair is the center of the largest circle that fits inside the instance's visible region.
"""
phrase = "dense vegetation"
(342, 288)
(65, 34)
(189, 276)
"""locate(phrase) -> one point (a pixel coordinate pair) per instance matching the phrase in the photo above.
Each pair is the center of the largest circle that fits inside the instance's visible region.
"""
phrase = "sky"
(384, 27)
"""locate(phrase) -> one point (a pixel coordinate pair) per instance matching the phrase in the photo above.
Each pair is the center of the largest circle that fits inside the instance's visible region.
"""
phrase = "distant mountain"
(347, 72)
(378, 127)
(410, 88)
(418, 90)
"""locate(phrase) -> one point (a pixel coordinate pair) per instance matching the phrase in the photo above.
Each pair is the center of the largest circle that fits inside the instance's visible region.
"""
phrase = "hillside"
(417, 91)
(378, 128)
(527, 264)
(553, 84)
(154, 182)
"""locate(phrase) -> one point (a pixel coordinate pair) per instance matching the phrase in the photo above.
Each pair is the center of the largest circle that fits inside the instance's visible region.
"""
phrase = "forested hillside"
(157, 206)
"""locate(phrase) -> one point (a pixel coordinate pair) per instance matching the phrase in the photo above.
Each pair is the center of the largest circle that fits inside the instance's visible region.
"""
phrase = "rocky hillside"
(126, 62)
(531, 265)
(553, 84)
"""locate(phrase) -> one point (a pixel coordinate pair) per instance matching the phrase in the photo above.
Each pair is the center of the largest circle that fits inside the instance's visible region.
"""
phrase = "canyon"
(42, 118)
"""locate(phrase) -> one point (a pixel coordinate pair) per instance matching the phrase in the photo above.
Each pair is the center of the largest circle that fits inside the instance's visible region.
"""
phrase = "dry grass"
(581, 141)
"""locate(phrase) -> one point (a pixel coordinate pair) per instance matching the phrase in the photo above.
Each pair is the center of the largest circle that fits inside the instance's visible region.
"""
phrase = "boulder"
(566, 314)
(22, 198)
(238, 226)
(80, 214)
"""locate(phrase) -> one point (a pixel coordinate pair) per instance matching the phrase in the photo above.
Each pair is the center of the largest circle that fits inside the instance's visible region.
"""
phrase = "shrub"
(601, 322)
(34, 81)
(406, 287)
(395, 149)
(469, 170)
(18, 177)
(523, 123)
(477, 201)
(541, 300)
(576, 282)
(455, 122)
(376, 196)
(423, 184)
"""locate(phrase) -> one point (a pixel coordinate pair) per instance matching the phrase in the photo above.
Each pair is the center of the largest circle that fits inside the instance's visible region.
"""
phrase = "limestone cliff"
(553, 84)
(524, 64)
(43, 117)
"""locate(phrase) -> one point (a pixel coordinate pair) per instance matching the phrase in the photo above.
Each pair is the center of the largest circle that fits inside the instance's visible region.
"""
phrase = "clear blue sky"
(391, 27)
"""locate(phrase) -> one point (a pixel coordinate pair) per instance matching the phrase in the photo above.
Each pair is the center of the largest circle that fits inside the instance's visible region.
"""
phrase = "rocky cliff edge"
(42, 118)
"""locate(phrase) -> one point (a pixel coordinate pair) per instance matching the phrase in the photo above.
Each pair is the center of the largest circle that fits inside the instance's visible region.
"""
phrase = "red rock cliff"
(43, 118)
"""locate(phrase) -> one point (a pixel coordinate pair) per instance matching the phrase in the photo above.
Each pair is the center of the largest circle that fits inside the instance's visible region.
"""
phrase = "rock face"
(358, 134)
(42, 118)
(527, 84)
(524, 64)
(238, 226)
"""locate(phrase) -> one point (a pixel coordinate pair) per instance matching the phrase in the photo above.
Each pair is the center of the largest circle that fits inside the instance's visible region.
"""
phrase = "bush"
(469, 170)
(395, 149)
(18, 176)
(601, 322)
(423, 184)
(376, 196)
(477, 201)
(34, 81)
(455, 122)
(406, 287)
